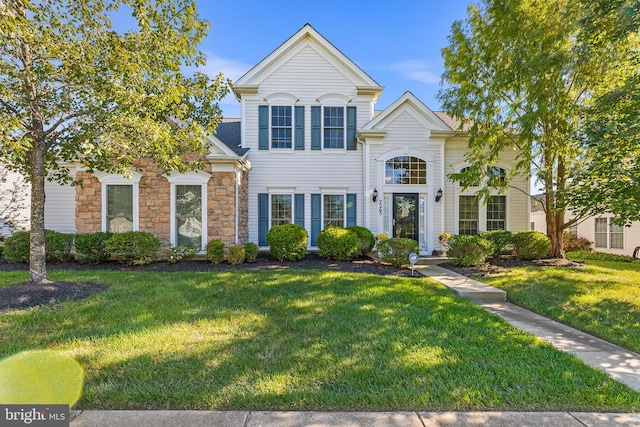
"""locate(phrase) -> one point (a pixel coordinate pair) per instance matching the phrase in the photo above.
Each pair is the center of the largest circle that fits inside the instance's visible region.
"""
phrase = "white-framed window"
(468, 215)
(188, 221)
(600, 237)
(333, 127)
(608, 235)
(281, 209)
(616, 236)
(333, 210)
(281, 126)
(497, 213)
(405, 170)
(119, 201)
(573, 230)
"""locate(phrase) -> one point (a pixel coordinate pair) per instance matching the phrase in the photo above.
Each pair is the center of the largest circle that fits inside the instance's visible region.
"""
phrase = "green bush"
(58, 246)
(397, 250)
(501, 239)
(180, 252)
(236, 254)
(16, 247)
(250, 252)
(287, 241)
(338, 243)
(92, 248)
(571, 242)
(600, 256)
(367, 239)
(133, 247)
(469, 251)
(215, 251)
(1, 246)
(531, 245)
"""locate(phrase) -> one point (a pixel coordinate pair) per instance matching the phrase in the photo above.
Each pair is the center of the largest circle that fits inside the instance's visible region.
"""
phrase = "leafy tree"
(521, 76)
(73, 88)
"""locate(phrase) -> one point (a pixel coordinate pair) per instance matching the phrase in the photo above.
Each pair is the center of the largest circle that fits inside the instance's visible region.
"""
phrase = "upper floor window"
(405, 170)
(333, 127)
(281, 127)
(475, 183)
(496, 175)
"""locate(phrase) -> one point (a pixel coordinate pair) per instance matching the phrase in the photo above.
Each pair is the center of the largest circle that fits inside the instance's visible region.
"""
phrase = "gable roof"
(408, 101)
(228, 132)
(306, 36)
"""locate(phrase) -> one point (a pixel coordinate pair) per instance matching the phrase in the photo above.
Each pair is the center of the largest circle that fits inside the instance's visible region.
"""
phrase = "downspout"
(367, 184)
(237, 205)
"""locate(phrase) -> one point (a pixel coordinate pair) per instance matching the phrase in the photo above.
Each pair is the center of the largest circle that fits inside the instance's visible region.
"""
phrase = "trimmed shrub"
(531, 245)
(92, 248)
(58, 246)
(397, 250)
(133, 247)
(571, 242)
(600, 256)
(338, 243)
(16, 247)
(287, 241)
(469, 251)
(367, 240)
(1, 245)
(250, 252)
(501, 239)
(180, 252)
(215, 251)
(236, 254)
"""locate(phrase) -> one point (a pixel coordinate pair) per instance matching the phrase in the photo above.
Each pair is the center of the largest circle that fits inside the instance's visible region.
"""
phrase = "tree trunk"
(37, 256)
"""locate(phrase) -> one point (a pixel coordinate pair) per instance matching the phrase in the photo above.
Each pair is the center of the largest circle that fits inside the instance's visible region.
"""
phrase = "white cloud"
(415, 69)
(231, 68)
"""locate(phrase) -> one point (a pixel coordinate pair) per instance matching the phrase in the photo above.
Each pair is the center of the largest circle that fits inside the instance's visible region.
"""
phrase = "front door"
(405, 216)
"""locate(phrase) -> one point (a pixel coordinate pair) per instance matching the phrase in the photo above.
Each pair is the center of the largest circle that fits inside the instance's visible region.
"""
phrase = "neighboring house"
(14, 202)
(604, 235)
(310, 150)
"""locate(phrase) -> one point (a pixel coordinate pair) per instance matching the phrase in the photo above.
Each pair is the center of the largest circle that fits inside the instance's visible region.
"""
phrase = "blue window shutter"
(299, 125)
(351, 210)
(299, 208)
(263, 127)
(316, 131)
(263, 218)
(316, 218)
(351, 128)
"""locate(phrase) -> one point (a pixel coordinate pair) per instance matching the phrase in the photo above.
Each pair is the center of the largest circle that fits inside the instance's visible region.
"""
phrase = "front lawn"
(602, 298)
(300, 339)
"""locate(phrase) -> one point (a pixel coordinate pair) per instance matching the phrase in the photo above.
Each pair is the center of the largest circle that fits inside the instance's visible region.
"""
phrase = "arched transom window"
(405, 170)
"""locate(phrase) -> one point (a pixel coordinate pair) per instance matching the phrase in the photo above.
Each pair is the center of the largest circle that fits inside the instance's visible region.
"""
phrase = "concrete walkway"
(619, 363)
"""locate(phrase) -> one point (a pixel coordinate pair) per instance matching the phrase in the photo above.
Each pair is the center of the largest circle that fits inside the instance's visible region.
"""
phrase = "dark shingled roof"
(229, 132)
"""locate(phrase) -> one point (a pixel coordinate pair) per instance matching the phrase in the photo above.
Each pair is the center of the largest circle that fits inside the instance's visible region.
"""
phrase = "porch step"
(431, 260)
(467, 288)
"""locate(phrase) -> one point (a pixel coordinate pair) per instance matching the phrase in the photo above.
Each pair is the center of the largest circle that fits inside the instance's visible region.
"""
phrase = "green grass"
(301, 339)
(603, 298)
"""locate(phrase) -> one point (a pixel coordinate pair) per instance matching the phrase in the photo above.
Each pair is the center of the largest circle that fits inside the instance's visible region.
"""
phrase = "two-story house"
(309, 149)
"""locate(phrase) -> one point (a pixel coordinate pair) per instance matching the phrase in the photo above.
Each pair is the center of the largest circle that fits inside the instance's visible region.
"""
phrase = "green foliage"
(571, 242)
(16, 247)
(1, 246)
(397, 250)
(180, 252)
(250, 252)
(600, 256)
(40, 376)
(215, 251)
(236, 254)
(133, 247)
(531, 245)
(501, 239)
(469, 251)
(367, 239)
(338, 243)
(287, 241)
(92, 248)
(58, 246)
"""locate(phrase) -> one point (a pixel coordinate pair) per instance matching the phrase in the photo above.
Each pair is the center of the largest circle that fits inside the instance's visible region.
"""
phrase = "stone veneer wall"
(155, 205)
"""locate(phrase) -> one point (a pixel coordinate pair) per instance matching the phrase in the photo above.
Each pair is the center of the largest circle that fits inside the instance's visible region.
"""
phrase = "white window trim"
(293, 205)
(190, 178)
(344, 206)
(282, 99)
(116, 179)
(334, 100)
(607, 234)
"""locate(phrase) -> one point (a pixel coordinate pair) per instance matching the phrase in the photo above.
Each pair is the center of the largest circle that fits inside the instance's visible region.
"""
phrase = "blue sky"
(397, 43)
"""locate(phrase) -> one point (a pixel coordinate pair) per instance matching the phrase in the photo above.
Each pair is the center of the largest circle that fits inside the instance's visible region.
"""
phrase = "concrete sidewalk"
(348, 419)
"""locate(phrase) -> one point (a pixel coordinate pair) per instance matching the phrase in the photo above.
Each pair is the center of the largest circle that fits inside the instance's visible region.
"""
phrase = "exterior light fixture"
(439, 195)
(374, 195)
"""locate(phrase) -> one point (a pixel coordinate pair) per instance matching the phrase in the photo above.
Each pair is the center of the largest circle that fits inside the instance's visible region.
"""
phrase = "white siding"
(60, 207)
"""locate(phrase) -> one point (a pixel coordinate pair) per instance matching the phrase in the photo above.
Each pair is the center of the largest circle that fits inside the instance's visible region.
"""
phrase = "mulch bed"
(25, 295)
